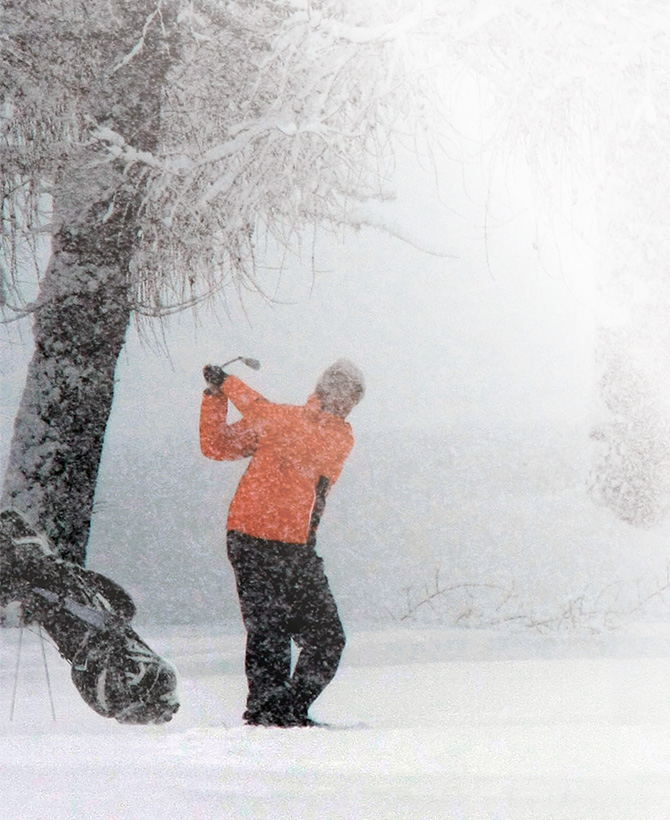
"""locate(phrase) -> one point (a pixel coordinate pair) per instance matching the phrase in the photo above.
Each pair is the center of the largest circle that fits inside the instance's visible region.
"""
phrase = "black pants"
(284, 595)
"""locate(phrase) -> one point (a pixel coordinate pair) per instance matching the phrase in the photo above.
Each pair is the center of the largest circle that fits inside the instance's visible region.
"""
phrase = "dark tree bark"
(79, 330)
(83, 308)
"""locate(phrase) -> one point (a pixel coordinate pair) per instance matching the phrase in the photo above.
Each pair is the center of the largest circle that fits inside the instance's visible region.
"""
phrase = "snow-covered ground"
(426, 724)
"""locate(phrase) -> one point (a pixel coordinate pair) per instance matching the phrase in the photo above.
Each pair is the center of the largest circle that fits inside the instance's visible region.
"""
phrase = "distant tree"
(581, 90)
(157, 143)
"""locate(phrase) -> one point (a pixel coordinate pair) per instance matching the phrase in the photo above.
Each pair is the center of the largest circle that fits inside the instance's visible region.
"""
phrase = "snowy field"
(425, 724)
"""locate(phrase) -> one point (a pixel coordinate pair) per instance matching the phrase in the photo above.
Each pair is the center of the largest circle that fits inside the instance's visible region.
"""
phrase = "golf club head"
(254, 364)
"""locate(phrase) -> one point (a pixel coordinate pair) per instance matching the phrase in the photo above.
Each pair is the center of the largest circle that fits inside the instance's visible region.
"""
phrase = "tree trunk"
(79, 328)
(84, 304)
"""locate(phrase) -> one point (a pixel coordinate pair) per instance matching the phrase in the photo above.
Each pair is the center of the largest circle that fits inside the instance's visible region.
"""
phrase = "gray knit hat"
(340, 387)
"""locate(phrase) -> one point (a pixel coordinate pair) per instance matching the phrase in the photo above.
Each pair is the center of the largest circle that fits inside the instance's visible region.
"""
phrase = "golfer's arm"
(218, 439)
(242, 396)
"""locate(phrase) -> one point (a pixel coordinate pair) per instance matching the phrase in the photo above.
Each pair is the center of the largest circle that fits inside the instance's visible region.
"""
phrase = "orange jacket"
(292, 449)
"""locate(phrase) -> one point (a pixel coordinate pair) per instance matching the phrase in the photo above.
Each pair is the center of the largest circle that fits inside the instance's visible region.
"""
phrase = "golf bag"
(88, 618)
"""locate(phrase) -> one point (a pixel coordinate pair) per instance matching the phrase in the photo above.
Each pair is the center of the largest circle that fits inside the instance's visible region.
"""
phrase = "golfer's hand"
(215, 377)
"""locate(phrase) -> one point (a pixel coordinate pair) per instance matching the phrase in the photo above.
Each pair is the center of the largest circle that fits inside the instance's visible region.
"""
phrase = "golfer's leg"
(260, 586)
(268, 669)
(318, 631)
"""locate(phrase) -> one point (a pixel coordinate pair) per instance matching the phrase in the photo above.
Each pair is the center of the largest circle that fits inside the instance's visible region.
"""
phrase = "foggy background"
(472, 443)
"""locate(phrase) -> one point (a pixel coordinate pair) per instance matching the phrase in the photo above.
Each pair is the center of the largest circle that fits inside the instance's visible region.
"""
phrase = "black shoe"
(308, 723)
(300, 716)
(257, 719)
(282, 720)
(269, 719)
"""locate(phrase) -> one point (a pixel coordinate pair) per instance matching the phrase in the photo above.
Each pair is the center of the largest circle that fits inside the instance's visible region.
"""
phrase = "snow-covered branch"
(278, 115)
(139, 45)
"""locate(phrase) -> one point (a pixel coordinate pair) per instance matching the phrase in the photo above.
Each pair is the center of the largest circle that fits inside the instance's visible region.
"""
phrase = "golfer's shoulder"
(338, 431)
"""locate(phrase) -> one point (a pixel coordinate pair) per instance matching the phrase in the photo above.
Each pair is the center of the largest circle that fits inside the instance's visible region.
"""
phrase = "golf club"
(254, 364)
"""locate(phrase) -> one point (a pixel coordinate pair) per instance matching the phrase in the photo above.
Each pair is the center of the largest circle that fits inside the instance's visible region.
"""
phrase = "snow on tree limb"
(139, 45)
(273, 114)
(279, 111)
(360, 217)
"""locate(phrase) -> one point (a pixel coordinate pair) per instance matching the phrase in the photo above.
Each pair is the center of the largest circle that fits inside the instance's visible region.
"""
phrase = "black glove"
(214, 375)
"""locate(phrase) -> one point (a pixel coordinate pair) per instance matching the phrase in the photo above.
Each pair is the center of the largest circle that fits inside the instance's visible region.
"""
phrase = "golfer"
(297, 453)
